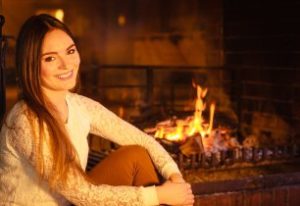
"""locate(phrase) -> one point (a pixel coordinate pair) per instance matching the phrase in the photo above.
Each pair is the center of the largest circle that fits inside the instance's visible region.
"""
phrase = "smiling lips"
(65, 76)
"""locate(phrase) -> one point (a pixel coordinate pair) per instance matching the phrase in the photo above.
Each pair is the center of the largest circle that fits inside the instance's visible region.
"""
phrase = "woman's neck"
(57, 98)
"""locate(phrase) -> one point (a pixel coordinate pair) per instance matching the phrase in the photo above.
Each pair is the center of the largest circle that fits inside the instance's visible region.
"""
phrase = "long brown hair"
(28, 55)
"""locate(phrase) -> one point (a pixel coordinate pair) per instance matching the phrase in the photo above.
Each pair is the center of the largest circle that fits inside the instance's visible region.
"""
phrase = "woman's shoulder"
(80, 99)
(85, 104)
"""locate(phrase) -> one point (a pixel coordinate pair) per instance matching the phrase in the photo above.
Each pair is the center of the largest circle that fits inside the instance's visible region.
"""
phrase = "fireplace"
(264, 170)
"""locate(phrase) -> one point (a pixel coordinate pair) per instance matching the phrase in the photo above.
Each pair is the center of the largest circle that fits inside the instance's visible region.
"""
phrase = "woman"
(43, 148)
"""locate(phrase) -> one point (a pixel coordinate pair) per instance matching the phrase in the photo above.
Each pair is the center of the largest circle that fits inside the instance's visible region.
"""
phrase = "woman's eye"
(49, 59)
(71, 51)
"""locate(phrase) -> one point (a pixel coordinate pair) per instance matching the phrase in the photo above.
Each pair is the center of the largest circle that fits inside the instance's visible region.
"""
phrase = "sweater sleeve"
(19, 133)
(109, 126)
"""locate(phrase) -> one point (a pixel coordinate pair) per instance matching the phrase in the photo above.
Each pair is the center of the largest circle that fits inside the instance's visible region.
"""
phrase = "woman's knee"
(134, 152)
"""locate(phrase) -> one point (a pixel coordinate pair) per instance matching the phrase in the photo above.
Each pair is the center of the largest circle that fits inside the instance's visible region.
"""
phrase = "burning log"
(192, 145)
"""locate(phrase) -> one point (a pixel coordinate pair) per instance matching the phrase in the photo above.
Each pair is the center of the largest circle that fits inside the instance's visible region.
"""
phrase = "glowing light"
(121, 20)
(59, 14)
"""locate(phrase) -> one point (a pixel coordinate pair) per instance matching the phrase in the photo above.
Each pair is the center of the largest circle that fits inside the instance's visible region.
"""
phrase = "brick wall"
(278, 196)
(262, 44)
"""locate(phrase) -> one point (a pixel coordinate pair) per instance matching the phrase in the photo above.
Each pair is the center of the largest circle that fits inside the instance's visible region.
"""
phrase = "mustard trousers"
(128, 165)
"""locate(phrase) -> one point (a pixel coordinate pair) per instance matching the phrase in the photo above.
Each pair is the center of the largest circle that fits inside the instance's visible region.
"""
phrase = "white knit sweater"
(20, 184)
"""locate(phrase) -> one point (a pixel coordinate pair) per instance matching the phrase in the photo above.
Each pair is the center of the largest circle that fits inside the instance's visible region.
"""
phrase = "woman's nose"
(63, 62)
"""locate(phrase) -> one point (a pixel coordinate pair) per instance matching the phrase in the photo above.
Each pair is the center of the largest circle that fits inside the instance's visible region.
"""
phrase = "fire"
(194, 133)
(180, 130)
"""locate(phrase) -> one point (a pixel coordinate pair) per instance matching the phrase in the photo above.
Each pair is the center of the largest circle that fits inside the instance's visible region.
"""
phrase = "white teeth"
(65, 76)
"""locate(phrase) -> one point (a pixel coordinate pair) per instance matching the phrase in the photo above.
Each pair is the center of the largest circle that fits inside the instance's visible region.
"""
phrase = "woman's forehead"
(56, 40)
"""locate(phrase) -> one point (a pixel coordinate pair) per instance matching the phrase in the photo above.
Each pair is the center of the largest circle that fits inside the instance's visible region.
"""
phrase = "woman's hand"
(171, 193)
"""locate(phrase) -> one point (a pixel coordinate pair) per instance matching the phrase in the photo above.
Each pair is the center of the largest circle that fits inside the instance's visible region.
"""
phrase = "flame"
(183, 129)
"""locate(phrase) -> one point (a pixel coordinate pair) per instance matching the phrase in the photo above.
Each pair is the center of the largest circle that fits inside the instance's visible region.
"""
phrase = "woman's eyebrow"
(54, 52)
(69, 47)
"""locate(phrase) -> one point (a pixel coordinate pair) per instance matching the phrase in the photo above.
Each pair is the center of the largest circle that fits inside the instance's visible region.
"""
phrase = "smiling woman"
(43, 141)
(59, 67)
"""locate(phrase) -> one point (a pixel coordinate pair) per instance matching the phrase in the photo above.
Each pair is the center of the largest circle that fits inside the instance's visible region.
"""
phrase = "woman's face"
(59, 62)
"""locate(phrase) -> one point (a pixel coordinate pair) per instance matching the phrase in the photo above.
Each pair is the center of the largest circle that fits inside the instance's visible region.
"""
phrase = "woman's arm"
(108, 125)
